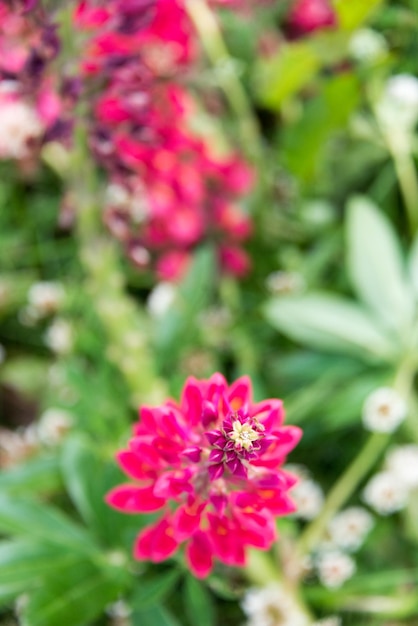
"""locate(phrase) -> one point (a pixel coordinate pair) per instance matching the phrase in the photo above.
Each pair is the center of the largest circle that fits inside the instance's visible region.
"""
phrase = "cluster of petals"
(212, 465)
(34, 107)
(173, 191)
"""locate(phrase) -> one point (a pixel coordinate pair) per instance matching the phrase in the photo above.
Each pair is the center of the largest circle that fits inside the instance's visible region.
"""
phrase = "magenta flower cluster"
(212, 465)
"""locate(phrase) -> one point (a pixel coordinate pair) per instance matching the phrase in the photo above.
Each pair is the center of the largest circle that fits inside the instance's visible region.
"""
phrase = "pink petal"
(156, 543)
(132, 499)
(191, 401)
(199, 555)
(240, 394)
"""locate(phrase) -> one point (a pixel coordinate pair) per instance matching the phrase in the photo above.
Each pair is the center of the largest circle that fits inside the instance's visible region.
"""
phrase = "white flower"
(334, 568)
(161, 299)
(45, 297)
(398, 105)
(285, 282)
(19, 124)
(53, 425)
(402, 462)
(349, 528)
(384, 410)
(59, 336)
(308, 497)
(272, 606)
(367, 45)
(385, 493)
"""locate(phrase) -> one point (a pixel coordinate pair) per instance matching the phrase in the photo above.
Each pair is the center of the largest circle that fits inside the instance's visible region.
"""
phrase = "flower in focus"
(272, 606)
(217, 455)
(349, 528)
(385, 494)
(334, 568)
(384, 410)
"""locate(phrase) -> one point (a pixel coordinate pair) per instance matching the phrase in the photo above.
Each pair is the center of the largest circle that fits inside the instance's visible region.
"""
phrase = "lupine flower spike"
(217, 457)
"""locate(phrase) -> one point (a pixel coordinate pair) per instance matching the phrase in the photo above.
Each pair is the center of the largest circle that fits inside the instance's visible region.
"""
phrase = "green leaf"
(330, 323)
(42, 522)
(154, 590)
(41, 474)
(175, 328)
(74, 598)
(295, 65)
(24, 566)
(155, 616)
(353, 13)
(303, 143)
(80, 461)
(285, 74)
(376, 265)
(198, 603)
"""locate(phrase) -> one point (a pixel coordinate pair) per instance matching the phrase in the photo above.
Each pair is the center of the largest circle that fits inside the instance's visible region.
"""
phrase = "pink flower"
(212, 466)
(308, 16)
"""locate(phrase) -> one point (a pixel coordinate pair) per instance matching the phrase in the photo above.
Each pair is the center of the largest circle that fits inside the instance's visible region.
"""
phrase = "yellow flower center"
(243, 435)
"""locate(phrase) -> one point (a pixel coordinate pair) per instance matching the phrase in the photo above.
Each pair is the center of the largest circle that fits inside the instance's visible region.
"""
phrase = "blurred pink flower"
(217, 456)
(308, 16)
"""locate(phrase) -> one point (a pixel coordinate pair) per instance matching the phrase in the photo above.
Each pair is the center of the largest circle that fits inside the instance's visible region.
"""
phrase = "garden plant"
(208, 313)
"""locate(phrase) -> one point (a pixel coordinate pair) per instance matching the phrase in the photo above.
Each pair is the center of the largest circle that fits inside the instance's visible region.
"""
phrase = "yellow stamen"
(243, 435)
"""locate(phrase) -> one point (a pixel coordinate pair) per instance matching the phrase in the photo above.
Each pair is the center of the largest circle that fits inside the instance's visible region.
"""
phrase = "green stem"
(361, 465)
(210, 35)
(343, 489)
(408, 183)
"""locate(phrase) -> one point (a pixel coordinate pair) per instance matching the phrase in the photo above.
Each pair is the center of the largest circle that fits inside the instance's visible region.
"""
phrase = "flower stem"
(408, 183)
(364, 461)
(343, 489)
(213, 43)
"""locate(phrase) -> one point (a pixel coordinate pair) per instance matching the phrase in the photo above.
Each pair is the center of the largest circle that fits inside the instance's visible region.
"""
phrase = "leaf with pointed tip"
(331, 323)
(376, 265)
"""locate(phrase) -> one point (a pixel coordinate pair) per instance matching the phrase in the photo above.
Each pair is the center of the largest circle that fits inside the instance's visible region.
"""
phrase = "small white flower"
(161, 299)
(59, 336)
(349, 528)
(384, 410)
(308, 497)
(402, 462)
(19, 124)
(272, 606)
(45, 297)
(385, 494)
(334, 568)
(285, 282)
(53, 425)
(398, 105)
(367, 45)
